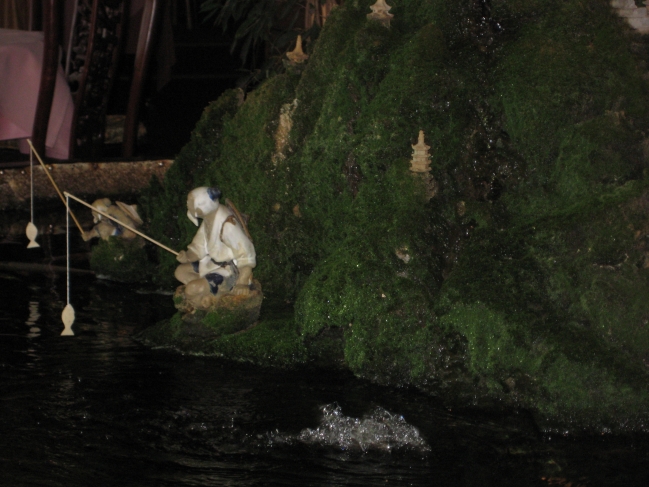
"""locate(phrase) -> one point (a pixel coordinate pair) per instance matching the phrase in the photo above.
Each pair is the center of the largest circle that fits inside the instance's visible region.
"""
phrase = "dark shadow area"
(204, 68)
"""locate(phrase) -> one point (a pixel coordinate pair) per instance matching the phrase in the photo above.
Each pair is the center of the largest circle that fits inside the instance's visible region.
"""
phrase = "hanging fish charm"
(32, 232)
(67, 316)
(68, 319)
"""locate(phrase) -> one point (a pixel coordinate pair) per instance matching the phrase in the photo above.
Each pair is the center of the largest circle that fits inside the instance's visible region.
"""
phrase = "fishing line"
(31, 184)
(31, 231)
(67, 247)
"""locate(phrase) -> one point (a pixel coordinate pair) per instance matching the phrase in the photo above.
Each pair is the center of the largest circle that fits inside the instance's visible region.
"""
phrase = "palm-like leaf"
(257, 22)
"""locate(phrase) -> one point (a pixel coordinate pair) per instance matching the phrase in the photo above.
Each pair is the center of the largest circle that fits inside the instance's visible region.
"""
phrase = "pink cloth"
(21, 57)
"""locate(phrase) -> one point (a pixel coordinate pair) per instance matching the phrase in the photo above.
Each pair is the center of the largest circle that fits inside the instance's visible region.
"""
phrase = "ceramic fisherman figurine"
(221, 256)
(105, 228)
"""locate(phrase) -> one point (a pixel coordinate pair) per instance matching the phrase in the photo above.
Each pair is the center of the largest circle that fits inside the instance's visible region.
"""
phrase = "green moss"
(570, 66)
(492, 345)
(165, 333)
(227, 321)
(121, 260)
(594, 268)
(523, 281)
(273, 341)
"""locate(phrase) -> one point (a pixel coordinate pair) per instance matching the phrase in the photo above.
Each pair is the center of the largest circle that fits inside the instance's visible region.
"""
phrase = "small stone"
(403, 254)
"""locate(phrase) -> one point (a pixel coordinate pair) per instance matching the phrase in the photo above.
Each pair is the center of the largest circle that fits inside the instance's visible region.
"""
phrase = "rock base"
(228, 313)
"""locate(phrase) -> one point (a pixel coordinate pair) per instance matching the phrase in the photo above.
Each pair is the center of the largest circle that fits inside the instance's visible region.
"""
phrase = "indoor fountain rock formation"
(527, 275)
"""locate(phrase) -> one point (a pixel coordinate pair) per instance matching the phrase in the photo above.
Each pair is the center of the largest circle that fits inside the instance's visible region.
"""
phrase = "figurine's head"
(101, 204)
(202, 201)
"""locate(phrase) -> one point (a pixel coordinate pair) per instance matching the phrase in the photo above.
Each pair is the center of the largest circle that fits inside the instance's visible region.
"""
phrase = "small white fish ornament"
(32, 232)
(68, 319)
(67, 316)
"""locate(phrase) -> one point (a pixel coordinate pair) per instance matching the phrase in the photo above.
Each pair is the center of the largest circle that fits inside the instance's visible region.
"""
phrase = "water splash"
(379, 430)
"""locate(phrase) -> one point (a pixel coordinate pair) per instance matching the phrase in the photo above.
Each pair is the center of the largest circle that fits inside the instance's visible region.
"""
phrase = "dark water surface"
(100, 409)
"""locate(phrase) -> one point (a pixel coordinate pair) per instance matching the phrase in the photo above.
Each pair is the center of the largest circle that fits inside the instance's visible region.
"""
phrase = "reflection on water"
(34, 315)
(99, 407)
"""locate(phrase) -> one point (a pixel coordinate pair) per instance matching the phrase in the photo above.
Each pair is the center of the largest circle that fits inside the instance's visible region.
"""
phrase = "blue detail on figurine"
(214, 281)
(214, 193)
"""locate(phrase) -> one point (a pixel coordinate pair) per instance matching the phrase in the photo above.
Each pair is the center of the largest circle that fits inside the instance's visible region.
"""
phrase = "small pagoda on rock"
(420, 165)
(297, 56)
(380, 12)
(420, 161)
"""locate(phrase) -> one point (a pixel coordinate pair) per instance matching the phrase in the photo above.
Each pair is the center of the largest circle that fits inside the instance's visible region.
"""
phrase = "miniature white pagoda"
(297, 55)
(380, 12)
(420, 166)
(420, 161)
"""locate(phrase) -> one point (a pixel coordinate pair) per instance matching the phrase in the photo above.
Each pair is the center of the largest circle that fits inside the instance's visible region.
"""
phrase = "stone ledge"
(79, 179)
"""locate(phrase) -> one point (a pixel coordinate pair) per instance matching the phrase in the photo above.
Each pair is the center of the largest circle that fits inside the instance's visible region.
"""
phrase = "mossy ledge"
(121, 260)
(522, 284)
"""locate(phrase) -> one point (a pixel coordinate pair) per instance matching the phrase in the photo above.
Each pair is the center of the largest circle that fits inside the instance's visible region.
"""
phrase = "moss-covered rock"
(121, 260)
(522, 283)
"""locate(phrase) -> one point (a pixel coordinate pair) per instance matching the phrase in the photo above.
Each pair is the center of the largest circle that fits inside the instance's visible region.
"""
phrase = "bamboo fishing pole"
(121, 223)
(55, 186)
